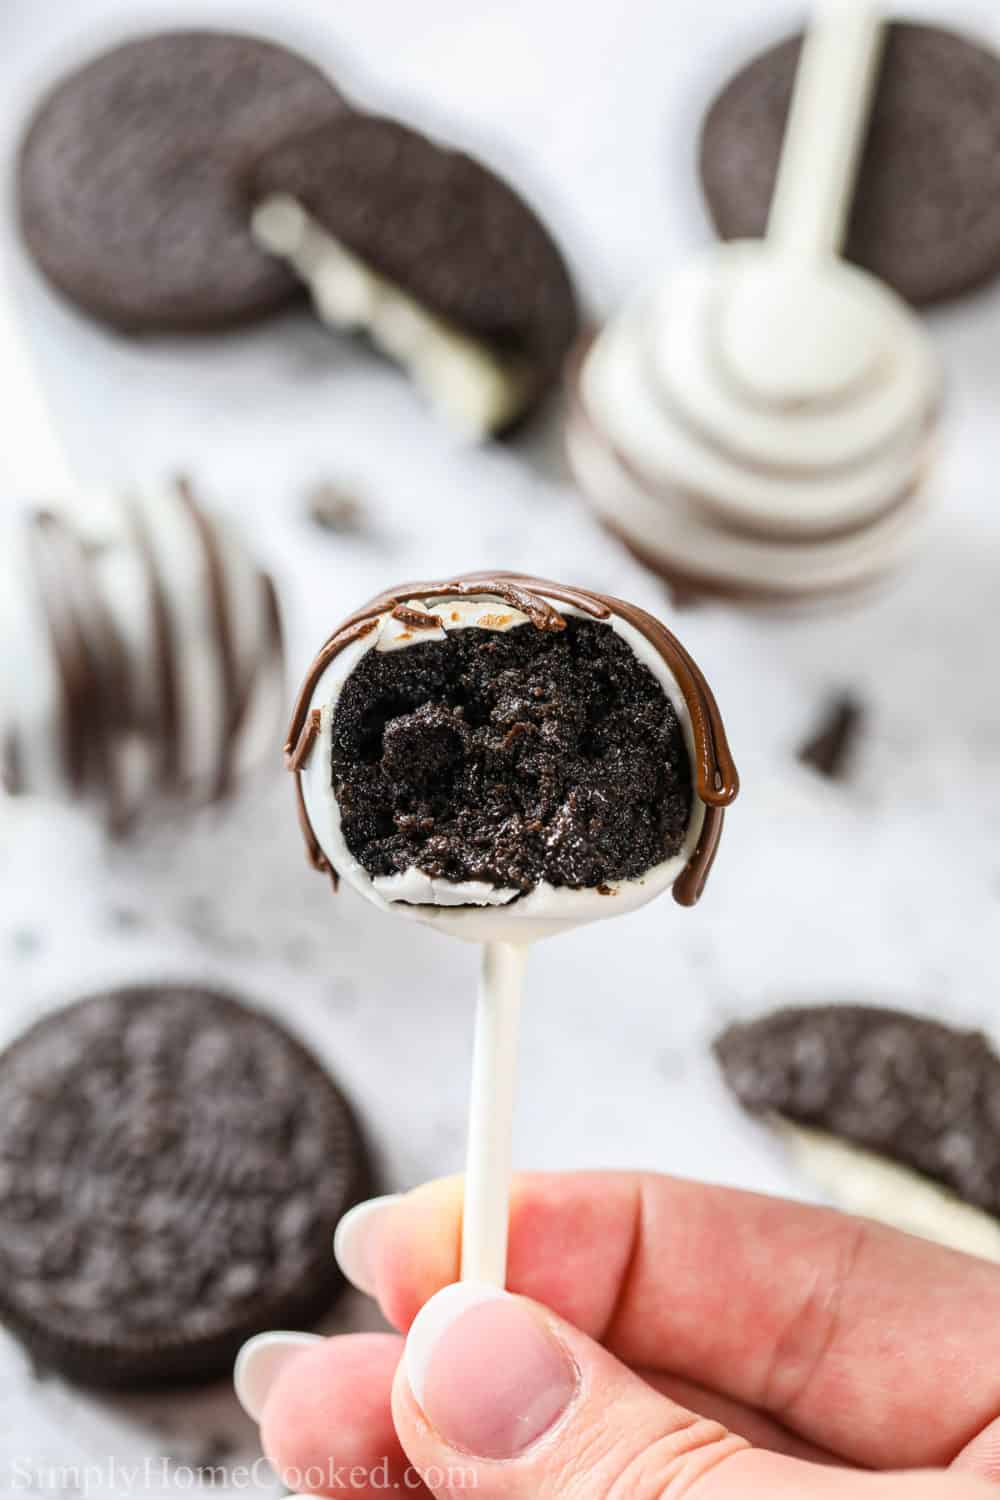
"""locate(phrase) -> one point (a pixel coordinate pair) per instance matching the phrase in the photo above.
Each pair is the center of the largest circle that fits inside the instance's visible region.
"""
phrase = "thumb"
(498, 1396)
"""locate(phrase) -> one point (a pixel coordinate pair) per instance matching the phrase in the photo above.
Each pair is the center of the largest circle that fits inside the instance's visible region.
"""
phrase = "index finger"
(874, 1344)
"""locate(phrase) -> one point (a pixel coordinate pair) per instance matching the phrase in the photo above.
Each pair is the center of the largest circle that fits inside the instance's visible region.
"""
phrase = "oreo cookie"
(926, 214)
(132, 178)
(431, 253)
(172, 1167)
(897, 1115)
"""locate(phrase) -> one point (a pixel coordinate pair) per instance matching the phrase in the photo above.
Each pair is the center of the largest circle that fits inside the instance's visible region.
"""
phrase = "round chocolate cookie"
(439, 226)
(172, 1167)
(132, 177)
(926, 216)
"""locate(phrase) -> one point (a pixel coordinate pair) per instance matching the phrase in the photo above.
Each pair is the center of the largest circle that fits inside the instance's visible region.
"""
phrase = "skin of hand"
(661, 1339)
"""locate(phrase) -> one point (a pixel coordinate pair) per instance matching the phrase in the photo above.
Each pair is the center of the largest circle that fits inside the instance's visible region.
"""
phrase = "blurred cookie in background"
(428, 252)
(926, 214)
(132, 178)
(172, 1168)
(894, 1116)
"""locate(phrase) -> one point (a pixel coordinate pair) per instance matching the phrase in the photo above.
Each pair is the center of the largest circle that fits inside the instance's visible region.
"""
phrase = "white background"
(887, 890)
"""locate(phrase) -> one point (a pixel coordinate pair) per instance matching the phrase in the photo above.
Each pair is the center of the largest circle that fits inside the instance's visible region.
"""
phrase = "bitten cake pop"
(505, 758)
(142, 654)
(760, 424)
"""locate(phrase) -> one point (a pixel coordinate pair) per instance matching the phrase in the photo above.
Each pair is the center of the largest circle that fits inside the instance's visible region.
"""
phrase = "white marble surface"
(886, 890)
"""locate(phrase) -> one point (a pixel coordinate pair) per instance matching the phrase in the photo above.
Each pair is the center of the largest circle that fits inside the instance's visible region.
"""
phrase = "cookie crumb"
(334, 508)
(830, 749)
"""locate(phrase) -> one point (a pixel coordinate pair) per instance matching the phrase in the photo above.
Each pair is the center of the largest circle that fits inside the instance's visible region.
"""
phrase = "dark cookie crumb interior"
(511, 757)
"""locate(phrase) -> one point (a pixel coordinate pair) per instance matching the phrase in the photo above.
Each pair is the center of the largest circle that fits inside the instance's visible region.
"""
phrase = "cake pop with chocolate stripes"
(515, 679)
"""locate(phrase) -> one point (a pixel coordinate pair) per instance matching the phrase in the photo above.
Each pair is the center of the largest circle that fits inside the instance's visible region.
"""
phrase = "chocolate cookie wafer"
(133, 170)
(172, 1167)
(897, 1116)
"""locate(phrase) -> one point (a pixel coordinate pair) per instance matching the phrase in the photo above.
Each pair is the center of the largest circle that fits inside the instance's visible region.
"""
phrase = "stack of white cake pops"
(758, 424)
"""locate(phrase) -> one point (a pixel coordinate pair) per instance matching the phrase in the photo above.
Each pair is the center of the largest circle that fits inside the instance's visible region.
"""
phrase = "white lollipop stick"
(491, 1113)
(831, 100)
(35, 462)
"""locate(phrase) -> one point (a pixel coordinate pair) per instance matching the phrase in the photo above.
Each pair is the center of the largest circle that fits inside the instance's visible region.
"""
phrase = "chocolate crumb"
(126, 919)
(209, 1463)
(335, 509)
(25, 942)
(542, 753)
(830, 749)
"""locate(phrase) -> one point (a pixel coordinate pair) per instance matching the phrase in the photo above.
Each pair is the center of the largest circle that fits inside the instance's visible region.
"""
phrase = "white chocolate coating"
(762, 421)
(679, 535)
(472, 389)
(475, 910)
(97, 585)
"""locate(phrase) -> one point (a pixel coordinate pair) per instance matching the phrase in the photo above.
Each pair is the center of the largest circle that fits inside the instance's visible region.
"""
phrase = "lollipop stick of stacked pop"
(822, 147)
(758, 424)
(505, 758)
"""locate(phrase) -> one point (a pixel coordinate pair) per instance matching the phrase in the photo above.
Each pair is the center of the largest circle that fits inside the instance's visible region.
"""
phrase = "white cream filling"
(865, 1183)
(474, 391)
(476, 910)
(679, 535)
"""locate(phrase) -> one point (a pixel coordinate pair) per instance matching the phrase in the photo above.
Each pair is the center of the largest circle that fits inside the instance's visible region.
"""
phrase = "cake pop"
(143, 651)
(505, 758)
(760, 424)
(144, 654)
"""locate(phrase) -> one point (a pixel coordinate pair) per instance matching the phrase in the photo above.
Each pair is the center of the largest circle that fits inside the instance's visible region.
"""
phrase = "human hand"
(680, 1340)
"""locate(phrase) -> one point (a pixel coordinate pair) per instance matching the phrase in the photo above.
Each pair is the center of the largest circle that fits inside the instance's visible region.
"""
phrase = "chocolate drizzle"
(716, 778)
(112, 702)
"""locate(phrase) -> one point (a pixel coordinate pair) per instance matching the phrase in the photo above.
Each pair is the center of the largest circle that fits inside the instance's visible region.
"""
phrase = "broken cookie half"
(895, 1116)
(430, 254)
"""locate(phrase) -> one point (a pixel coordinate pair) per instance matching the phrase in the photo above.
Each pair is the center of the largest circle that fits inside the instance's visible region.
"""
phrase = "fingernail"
(261, 1361)
(486, 1370)
(353, 1239)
